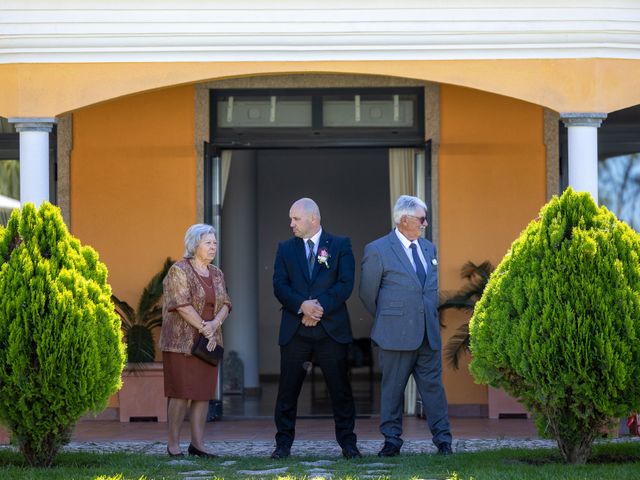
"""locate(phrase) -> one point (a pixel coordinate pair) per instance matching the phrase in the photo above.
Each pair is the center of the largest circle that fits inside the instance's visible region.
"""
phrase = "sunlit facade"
(139, 119)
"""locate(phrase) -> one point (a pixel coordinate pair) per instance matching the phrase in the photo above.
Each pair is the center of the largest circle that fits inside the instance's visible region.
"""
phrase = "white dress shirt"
(406, 243)
(315, 239)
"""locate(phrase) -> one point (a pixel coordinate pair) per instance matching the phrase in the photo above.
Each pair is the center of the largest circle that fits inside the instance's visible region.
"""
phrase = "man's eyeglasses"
(420, 219)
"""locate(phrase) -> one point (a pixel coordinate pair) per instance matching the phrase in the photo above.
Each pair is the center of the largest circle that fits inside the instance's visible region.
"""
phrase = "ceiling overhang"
(74, 31)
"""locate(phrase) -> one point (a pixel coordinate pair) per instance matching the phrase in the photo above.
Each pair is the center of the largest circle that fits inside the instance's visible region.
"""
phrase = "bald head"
(308, 206)
(305, 218)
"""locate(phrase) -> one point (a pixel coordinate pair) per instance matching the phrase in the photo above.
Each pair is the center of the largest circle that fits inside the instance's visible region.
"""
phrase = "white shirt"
(406, 243)
(315, 239)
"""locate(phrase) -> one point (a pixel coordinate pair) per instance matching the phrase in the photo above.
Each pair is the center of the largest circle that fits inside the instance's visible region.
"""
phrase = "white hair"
(193, 237)
(407, 205)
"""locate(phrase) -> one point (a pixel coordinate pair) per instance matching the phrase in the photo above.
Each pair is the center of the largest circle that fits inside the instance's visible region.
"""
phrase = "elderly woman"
(195, 301)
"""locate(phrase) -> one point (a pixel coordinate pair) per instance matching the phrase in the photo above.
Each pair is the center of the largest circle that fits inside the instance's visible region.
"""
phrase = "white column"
(34, 158)
(582, 131)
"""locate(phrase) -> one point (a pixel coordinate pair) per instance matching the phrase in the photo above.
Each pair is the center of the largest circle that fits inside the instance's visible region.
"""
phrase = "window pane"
(264, 111)
(619, 187)
(6, 127)
(9, 187)
(368, 111)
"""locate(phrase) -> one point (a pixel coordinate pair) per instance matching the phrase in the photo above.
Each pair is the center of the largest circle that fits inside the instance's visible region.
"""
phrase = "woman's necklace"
(201, 270)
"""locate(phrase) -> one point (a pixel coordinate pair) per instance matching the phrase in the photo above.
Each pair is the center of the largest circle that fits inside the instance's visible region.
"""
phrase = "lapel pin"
(434, 262)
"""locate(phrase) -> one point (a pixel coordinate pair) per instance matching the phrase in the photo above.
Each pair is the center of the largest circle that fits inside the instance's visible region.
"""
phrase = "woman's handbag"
(200, 350)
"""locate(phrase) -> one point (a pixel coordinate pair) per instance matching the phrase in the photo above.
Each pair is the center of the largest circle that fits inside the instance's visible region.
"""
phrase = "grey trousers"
(426, 366)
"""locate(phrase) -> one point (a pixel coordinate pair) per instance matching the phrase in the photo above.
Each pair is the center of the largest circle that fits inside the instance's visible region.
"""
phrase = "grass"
(609, 460)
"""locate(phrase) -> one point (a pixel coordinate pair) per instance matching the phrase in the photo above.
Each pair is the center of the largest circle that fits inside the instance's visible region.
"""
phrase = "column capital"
(582, 119)
(33, 124)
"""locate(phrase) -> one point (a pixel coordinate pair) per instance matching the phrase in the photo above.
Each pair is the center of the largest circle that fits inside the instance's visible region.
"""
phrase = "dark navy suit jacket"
(331, 285)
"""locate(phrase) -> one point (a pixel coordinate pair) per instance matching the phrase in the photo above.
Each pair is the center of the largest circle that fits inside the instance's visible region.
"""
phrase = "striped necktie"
(422, 275)
(311, 258)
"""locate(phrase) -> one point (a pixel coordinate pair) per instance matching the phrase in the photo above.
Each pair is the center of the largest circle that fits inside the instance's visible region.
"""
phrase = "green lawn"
(609, 461)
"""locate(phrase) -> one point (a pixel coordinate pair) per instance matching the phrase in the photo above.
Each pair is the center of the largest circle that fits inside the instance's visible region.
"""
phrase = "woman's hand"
(209, 328)
(222, 314)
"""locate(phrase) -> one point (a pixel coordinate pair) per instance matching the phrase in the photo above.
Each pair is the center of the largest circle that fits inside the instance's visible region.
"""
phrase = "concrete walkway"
(315, 436)
(303, 448)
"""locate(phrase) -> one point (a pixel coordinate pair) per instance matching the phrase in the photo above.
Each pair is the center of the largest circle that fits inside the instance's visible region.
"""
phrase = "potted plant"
(141, 396)
(464, 299)
(477, 276)
(138, 325)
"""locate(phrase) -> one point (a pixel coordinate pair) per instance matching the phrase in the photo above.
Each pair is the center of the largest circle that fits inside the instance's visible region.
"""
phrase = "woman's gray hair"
(406, 205)
(193, 237)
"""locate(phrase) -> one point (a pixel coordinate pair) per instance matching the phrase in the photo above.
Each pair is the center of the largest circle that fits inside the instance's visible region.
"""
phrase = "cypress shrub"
(559, 321)
(61, 350)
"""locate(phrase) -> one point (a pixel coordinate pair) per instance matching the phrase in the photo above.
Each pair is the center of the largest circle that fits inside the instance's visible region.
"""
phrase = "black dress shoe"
(281, 452)
(351, 451)
(445, 449)
(389, 450)
(179, 454)
(199, 453)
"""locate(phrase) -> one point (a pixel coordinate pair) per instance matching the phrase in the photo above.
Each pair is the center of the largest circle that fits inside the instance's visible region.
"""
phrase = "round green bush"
(558, 325)
(61, 350)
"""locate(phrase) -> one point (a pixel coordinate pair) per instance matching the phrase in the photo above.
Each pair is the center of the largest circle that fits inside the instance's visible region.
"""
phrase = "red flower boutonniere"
(323, 257)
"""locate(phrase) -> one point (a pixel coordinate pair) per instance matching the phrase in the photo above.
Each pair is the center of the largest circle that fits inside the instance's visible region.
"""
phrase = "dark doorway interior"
(351, 187)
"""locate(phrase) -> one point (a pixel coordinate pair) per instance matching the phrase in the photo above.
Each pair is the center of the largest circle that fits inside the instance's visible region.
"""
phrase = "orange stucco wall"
(561, 84)
(491, 184)
(133, 187)
(133, 183)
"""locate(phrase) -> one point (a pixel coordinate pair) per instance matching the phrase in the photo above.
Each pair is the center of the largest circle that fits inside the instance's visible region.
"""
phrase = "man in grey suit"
(399, 287)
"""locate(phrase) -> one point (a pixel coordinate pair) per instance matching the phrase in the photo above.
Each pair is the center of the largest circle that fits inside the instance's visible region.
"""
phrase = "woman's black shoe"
(174, 454)
(199, 453)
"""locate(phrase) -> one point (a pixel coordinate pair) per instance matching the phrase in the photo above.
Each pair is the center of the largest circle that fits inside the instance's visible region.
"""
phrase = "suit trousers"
(426, 366)
(307, 344)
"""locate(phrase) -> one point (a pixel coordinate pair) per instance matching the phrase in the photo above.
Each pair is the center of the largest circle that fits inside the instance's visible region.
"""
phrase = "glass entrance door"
(212, 216)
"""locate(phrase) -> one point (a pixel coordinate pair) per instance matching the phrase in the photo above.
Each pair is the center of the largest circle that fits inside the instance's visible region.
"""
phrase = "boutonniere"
(323, 257)
(434, 262)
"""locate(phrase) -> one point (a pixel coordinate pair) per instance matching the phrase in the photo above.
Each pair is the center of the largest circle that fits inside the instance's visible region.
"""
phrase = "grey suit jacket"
(391, 292)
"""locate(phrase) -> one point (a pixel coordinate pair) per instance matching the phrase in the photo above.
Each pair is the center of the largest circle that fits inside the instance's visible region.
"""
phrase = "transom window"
(329, 117)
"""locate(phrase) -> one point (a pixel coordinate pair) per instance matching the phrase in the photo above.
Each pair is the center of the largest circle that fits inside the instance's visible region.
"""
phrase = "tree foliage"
(558, 324)
(61, 350)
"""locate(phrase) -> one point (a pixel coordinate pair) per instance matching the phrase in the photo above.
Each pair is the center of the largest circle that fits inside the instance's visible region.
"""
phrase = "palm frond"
(457, 346)
(124, 310)
(461, 302)
(137, 325)
(465, 299)
(470, 270)
(153, 318)
(152, 293)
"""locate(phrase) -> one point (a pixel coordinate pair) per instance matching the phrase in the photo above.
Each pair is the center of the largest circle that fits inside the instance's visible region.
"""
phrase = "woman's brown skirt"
(186, 376)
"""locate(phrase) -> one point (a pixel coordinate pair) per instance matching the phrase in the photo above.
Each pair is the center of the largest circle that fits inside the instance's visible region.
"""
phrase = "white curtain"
(225, 168)
(402, 178)
(402, 181)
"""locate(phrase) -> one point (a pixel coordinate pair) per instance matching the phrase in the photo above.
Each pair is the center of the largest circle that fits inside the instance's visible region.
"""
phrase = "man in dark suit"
(399, 287)
(313, 278)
